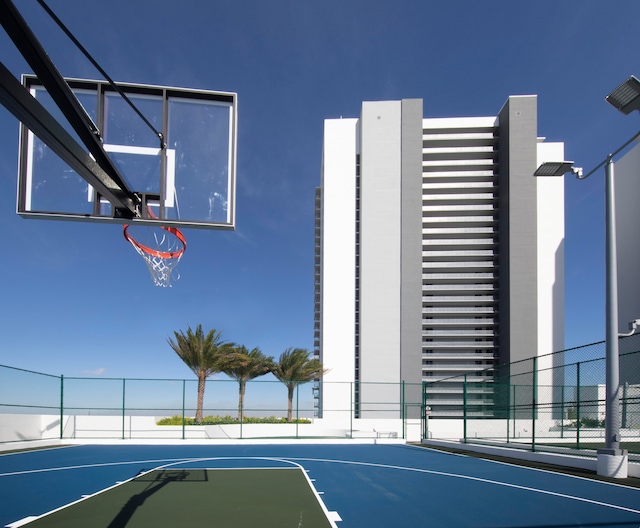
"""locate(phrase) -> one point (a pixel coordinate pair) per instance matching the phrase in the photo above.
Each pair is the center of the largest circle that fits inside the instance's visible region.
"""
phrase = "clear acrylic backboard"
(190, 182)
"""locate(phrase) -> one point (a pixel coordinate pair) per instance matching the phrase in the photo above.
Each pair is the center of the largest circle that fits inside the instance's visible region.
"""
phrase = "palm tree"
(294, 368)
(202, 355)
(244, 366)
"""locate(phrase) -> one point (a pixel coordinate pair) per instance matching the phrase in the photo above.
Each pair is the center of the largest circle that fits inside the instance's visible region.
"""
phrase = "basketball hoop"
(169, 245)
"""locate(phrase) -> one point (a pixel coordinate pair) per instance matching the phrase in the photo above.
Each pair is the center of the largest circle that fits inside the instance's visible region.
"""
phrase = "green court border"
(169, 495)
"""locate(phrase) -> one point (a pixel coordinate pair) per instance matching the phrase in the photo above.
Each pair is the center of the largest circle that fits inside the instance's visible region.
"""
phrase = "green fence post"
(423, 411)
(297, 408)
(508, 412)
(61, 406)
(625, 389)
(514, 406)
(562, 412)
(184, 382)
(402, 410)
(464, 409)
(123, 407)
(351, 409)
(578, 405)
(534, 404)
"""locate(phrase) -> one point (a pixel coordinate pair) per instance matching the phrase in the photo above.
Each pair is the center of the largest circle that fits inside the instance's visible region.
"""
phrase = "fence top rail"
(30, 371)
(96, 378)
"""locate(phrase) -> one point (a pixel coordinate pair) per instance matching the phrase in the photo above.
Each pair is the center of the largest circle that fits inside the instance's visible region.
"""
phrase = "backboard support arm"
(17, 99)
(33, 52)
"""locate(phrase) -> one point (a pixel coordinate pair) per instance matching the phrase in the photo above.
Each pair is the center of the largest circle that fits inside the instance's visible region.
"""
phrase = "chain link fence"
(553, 400)
(556, 400)
(36, 406)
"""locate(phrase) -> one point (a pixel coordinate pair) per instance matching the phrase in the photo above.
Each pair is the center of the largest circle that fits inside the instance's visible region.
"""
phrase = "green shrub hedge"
(226, 420)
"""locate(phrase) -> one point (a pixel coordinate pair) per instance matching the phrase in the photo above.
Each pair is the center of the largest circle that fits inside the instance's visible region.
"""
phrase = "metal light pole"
(612, 409)
(612, 389)
(612, 461)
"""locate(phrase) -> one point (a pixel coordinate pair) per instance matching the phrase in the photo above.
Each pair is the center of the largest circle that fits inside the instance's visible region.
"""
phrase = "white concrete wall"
(32, 428)
(338, 261)
(517, 430)
(550, 254)
(18, 428)
(14, 428)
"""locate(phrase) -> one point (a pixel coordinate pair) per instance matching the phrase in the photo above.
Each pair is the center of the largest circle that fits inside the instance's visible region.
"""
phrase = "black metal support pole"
(33, 52)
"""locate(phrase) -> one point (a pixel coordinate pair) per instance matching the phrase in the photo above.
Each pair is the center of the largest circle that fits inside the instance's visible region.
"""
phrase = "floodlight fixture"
(557, 168)
(626, 97)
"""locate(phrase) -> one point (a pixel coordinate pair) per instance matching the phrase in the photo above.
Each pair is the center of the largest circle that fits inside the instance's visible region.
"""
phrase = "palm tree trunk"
(241, 389)
(290, 389)
(201, 383)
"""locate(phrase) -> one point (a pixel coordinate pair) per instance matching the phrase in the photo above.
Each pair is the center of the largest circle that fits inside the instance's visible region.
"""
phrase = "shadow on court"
(198, 497)
(157, 481)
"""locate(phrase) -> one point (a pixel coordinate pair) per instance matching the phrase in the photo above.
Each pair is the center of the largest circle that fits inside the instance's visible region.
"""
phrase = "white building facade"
(438, 254)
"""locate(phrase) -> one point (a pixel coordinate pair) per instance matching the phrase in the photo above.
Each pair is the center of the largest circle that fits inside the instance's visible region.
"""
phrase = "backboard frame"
(163, 199)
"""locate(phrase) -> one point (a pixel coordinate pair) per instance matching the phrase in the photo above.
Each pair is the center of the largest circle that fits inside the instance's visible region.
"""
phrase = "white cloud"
(96, 372)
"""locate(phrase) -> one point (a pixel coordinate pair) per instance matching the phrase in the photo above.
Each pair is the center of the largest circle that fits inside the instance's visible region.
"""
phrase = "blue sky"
(77, 300)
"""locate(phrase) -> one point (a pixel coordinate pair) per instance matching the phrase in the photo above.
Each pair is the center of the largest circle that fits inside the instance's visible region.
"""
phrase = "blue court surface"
(361, 485)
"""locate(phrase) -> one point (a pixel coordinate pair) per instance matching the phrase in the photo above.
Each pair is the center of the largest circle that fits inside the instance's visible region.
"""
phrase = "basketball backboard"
(188, 182)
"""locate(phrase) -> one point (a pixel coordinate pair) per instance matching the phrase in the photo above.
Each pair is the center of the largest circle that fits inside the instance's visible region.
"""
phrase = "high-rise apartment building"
(438, 253)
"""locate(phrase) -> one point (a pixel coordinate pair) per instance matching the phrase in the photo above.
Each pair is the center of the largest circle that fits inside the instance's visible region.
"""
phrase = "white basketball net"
(162, 250)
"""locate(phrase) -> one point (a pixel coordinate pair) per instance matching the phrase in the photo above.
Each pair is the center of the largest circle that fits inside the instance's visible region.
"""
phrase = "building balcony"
(462, 254)
(460, 345)
(458, 367)
(445, 387)
(462, 288)
(457, 334)
(458, 232)
(481, 161)
(487, 355)
(459, 310)
(459, 137)
(457, 209)
(458, 401)
(452, 149)
(435, 186)
(440, 244)
(452, 220)
(441, 267)
(462, 199)
(458, 300)
(435, 196)
(444, 322)
(487, 277)
(441, 380)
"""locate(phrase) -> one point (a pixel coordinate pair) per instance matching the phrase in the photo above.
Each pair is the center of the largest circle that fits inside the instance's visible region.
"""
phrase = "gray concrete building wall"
(411, 254)
(411, 243)
(380, 264)
(517, 229)
(627, 196)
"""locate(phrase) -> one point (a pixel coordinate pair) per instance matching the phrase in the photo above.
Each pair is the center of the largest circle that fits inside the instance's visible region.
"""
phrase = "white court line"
(172, 462)
(88, 466)
(28, 450)
(477, 479)
(107, 464)
(523, 467)
(331, 517)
